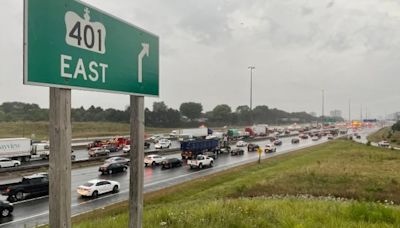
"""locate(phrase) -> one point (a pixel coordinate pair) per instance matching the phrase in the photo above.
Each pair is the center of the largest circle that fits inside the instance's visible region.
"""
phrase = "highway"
(82, 155)
(33, 212)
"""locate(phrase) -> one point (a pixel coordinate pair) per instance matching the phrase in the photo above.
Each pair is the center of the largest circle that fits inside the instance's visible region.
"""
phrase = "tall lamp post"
(251, 86)
(323, 108)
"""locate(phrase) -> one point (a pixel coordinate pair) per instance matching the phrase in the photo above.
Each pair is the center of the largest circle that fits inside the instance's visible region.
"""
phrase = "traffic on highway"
(97, 186)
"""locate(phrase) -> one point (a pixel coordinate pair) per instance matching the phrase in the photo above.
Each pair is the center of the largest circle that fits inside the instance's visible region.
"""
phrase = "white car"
(315, 138)
(241, 144)
(163, 143)
(126, 149)
(94, 188)
(153, 159)
(154, 138)
(269, 148)
(6, 162)
(383, 144)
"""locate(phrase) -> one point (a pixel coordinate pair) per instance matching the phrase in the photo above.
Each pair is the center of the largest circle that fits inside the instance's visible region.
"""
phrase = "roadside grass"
(272, 194)
(260, 212)
(385, 134)
(39, 130)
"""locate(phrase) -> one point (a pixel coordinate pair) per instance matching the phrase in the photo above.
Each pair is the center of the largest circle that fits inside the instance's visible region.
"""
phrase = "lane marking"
(214, 170)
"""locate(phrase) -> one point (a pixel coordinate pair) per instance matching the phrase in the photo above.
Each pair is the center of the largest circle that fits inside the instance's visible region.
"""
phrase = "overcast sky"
(351, 49)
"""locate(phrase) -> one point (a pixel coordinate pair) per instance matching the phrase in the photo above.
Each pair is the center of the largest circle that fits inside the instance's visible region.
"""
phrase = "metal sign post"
(60, 158)
(137, 164)
(68, 45)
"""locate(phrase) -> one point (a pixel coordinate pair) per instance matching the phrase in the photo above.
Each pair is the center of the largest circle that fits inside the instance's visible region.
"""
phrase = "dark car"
(252, 147)
(146, 145)
(304, 136)
(295, 140)
(224, 150)
(278, 142)
(36, 184)
(237, 151)
(171, 163)
(109, 168)
(6, 208)
(111, 148)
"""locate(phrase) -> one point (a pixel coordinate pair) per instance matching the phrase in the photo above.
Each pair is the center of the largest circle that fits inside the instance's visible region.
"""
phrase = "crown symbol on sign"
(86, 15)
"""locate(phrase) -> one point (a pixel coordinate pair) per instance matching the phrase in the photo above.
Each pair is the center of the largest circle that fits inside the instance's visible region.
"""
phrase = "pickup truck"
(200, 161)
(36, 184)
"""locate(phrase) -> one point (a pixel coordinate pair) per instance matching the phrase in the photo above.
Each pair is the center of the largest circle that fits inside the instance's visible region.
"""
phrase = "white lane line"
(23, 219)
(217, 168)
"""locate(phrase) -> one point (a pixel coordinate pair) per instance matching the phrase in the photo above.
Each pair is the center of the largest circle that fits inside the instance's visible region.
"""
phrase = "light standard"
(323, 107)
(251, 86)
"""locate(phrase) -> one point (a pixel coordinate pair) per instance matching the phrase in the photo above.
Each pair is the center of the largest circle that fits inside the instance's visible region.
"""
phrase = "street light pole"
(251, 86)
(323, 104)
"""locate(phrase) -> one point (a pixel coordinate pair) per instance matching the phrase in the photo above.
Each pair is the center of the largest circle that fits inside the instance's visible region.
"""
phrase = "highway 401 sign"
(68, 44)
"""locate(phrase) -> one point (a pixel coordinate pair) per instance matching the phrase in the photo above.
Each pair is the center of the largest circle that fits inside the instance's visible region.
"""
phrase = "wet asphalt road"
(82, 154)
(33, 212)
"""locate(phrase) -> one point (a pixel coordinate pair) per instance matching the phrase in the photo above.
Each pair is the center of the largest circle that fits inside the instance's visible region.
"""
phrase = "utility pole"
(60, 158)
(136, 156)
(361, 115)
(251, 86)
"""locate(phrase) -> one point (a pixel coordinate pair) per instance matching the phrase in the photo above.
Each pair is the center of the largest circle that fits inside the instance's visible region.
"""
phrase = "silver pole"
(251, 86)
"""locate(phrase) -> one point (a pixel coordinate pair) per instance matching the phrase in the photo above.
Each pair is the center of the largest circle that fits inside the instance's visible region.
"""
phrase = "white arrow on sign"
(144, 52)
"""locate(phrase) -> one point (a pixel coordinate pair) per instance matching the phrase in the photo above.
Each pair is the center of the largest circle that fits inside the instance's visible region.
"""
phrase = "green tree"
(396, 126)
(222, 114)
(243, 114)
(191, 110)
(261, 114)
(159, 106)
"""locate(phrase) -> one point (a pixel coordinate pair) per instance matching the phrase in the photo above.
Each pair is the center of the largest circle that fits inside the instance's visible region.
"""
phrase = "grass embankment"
(345, 180)
(386, 134)
(39, 130)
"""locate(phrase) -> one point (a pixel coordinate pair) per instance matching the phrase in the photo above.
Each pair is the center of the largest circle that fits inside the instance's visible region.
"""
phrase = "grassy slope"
(384, 134)
(236, 198)
(79, 129)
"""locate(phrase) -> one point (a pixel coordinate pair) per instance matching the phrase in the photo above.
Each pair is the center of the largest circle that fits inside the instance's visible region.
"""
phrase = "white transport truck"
(190, 132)
(16, 148)
(42, 150)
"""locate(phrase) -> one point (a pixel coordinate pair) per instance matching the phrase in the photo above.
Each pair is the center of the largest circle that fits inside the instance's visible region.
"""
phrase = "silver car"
(120, 160)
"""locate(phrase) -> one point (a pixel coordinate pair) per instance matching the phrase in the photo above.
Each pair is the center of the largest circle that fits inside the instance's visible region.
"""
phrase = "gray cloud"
(349, 48)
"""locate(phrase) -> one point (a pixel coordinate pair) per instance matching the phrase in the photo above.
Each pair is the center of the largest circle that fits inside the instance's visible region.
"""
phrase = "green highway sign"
(69, 44)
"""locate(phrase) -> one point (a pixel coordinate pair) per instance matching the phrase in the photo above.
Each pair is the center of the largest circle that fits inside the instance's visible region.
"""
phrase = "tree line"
(190, 114)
